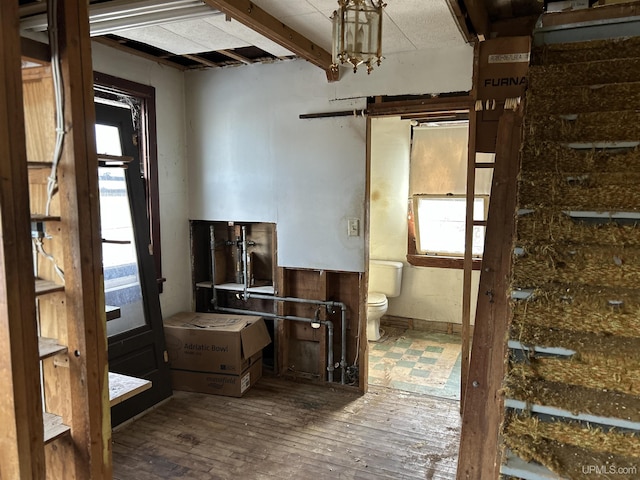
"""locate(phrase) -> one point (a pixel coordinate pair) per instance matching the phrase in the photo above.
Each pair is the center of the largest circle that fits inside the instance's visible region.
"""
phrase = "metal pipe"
(328, 323)
(212, 244)
(326, 303)
(245, 258)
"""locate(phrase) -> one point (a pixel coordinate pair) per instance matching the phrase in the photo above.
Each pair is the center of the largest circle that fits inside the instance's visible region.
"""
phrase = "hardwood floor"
(287, 430)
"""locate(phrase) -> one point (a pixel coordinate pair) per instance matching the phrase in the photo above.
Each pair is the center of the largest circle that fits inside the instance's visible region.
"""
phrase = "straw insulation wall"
(583, 267)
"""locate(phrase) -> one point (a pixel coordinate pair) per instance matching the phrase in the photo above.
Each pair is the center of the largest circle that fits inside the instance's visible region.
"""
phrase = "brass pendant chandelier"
(357, 33)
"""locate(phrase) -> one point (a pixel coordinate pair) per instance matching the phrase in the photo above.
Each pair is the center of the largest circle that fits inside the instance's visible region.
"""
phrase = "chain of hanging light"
(357, 33)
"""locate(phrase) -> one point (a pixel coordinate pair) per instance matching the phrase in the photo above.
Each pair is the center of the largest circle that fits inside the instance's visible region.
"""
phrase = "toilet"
(385, 278)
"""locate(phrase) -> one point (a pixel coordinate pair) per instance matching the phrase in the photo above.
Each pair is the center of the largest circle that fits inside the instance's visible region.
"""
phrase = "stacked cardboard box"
(215, 353)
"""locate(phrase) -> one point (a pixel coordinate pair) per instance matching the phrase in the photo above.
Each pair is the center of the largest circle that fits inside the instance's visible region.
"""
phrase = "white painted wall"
(252, 159)
(172, 173)
(433, 294)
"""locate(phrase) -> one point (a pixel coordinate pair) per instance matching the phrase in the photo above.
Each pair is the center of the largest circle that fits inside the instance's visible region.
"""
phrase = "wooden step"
(48, 347)
(584, 74)
(39, 165)
(550, 156)
(605, 266)
(590, 51)
(598, 193)
(611, 126)
(53, 427)
(43, 287)
(123, 387)
(39, 217)
(583, 99)
(560, 413)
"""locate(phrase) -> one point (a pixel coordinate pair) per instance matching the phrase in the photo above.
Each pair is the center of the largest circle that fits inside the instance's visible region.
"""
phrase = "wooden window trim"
(109, 85)
(435, 261)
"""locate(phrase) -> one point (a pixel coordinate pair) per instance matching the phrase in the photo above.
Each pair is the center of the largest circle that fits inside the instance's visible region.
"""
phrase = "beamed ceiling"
(235, 32)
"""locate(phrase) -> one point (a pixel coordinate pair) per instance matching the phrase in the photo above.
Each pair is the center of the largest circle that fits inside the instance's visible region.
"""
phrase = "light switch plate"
(353, 227)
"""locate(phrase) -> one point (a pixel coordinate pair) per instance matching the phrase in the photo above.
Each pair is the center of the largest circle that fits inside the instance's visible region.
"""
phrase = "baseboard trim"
(422, 325)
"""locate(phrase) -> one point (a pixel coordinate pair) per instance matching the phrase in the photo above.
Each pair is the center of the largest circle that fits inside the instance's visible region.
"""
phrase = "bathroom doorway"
(420, 345)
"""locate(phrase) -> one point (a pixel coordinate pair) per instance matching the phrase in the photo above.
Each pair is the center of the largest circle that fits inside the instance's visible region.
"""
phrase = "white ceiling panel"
(285, 8)
(425, 24)
(238, 30)
(160, 37)
(408, 25)
(316, 27)
(206, 35)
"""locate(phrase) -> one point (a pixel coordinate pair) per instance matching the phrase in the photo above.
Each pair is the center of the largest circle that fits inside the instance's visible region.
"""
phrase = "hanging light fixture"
(357, 33)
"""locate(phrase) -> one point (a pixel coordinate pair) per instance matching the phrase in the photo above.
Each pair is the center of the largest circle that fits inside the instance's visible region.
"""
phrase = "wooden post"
(467, 265)
(484, 406)
(21, 443)
(84, 287)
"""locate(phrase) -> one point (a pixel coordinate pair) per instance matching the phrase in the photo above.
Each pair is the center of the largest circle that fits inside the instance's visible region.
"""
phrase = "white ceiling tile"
(160, 37)
(316, 27)
(426, 24)
(285, 8)
(238, 30)
(206, 35)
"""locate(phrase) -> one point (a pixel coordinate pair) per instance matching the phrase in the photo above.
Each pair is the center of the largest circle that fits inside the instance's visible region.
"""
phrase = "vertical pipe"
(328, 323)
(245, 266)
(212, 245)
(330, 366)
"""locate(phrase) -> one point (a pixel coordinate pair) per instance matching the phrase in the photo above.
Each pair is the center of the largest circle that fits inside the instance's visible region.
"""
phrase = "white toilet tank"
(385, 277)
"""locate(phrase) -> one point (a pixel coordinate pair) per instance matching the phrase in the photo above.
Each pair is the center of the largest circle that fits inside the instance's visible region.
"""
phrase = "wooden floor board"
(286, 430)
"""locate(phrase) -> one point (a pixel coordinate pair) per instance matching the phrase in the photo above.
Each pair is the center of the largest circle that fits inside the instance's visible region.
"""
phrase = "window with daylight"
(440, 224)
(437, 207)
(141, 99)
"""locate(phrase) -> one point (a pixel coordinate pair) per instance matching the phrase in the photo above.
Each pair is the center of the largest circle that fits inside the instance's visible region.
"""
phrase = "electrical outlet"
(353, 227)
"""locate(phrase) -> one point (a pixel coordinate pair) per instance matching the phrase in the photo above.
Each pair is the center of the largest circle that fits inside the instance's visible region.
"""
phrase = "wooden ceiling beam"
(479, 18)
(201, 60)
(265, 24)
(235, 56)
(460, 19)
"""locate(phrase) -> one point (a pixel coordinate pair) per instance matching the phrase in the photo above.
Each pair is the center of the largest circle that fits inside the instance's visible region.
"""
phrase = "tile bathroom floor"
(416, 361)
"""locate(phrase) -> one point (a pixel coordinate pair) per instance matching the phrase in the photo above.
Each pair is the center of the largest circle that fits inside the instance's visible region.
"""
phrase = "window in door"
(119, 260)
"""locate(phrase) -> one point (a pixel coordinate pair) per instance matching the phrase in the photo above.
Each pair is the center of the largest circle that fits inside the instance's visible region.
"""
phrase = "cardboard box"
(215, 353)
(217, 383)
(215, 343)
(503, 70)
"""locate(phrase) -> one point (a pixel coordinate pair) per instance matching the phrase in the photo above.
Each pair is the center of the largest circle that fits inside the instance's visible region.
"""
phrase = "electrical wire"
(52, 180)
(37, 242)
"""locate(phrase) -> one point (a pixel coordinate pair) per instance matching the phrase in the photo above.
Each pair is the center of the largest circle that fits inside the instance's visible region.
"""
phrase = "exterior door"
(136, 336)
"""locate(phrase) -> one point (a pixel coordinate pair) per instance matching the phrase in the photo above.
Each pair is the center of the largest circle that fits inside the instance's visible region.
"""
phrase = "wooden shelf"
(48, 347)
(53, 427)
(36, 165)
(38, 217)
(123, 387)
(44, 287)
(239, 287)
(112, 312)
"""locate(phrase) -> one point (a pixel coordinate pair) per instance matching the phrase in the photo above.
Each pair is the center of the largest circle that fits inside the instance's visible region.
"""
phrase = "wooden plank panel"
(53, 427)
(88, 395)
(48, 347)
(44, 287)
(483, 406)
(22, 442)
(123, 387)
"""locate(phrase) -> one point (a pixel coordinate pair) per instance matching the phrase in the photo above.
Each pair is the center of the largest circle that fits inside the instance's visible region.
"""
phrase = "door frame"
(141, 351)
